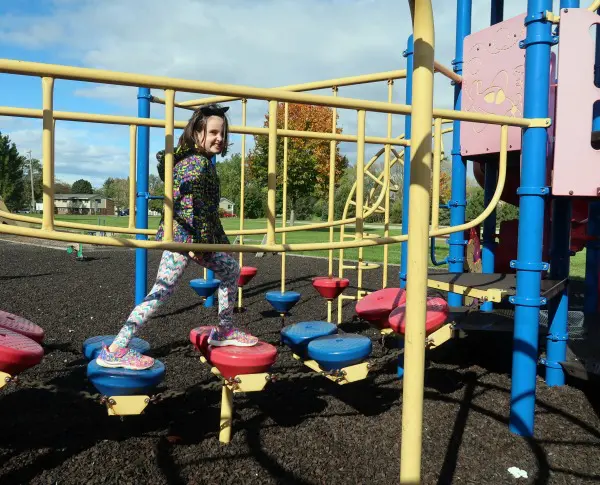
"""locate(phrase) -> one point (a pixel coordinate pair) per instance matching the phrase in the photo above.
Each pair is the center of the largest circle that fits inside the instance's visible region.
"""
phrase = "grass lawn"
(374, 254)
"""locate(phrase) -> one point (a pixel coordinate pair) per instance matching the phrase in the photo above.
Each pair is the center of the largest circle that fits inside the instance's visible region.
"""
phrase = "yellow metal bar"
(10, 66)
(242, 194)
(437, 155)
(330, 205)
(312, 86)
(47, 152)
(360, 180)
(416, 290)
(449, 73)
(387, 168)
(226, 415)
(132, 167)
(169, 145)
(150, 244)
(272, 172)
(284, 208)
(594, 6)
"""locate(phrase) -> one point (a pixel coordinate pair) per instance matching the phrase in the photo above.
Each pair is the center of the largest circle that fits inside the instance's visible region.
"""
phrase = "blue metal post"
(458, 201)
(210, 301)
(532, 193)
(409, 54)
(489, 186)
(141, 200)
(592, 250)
(558, 308)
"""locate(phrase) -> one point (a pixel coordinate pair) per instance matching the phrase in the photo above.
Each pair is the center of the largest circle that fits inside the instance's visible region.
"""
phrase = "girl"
(196, 197)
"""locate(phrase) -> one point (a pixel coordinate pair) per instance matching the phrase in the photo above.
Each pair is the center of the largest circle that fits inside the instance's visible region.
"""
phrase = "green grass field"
(374, 254)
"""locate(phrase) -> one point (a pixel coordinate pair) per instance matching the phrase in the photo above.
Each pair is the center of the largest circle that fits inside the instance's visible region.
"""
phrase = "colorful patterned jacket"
(196, 197)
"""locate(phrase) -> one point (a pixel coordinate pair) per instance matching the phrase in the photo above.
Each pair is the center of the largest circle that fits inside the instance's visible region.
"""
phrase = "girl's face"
(211, 140)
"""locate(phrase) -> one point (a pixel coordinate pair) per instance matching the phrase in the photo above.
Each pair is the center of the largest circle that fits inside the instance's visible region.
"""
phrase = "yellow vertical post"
(331, 205)
(418, 239)
(360, 186)
(437, 161)
(226, 415)
(272, 172)
(169, 143)
(48, 153)
(132, 167)
(386, 168)
(285, 174)
(242, 193)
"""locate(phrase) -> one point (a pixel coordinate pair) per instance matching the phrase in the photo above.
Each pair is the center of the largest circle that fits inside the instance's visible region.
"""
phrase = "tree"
(230, 176)
(156, 187)
(82, 186)
(11, 174)
(117, 190)
(308, 159)
(61, 187)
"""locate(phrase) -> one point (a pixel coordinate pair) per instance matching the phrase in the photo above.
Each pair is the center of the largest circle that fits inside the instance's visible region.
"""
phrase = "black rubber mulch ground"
(307, 432)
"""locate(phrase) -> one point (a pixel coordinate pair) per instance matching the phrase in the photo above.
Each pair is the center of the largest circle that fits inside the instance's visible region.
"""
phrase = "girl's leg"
(227, 271)
(170, 270)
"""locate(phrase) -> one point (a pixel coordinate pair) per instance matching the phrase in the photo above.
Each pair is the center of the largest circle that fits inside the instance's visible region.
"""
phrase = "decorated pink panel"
(576, 162)
(493, 83)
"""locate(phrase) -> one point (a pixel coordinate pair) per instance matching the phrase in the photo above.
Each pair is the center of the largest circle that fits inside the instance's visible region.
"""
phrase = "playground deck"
(306, 431)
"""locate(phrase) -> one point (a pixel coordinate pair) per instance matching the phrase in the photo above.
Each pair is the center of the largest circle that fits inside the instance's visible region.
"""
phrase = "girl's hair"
(197, 123)
(187, 141)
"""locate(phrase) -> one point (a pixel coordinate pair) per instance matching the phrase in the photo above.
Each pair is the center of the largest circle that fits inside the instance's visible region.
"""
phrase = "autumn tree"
(308, 159)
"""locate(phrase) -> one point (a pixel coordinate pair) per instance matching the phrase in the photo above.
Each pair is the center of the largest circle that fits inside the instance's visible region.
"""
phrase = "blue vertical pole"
(592, 250)
(210, 274)
(458, 204)
(532, 192)
(558, 308)
(141, 200)
(409, 54)
(489, 185)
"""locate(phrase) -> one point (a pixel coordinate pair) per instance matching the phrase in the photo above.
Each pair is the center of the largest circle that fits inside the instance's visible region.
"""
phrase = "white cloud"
(261, 43)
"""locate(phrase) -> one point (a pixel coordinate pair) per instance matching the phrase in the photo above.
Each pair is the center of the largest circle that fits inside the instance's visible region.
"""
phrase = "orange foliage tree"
(308, 159)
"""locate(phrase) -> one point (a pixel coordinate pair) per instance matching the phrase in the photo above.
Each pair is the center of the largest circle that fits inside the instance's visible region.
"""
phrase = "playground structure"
(528, 91)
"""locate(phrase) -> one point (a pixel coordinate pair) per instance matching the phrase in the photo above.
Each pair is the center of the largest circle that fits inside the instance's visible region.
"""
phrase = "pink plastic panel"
(576, 163)
(497, 88)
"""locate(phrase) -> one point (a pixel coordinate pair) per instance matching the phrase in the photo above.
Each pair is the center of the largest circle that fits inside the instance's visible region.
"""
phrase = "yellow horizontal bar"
(158, 123)
(311, 86)
(449, 73)
(75, 225)
(491, 294)
(162, 82)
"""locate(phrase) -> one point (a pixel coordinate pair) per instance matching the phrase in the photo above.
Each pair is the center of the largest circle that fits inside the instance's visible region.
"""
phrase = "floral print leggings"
(170, 270)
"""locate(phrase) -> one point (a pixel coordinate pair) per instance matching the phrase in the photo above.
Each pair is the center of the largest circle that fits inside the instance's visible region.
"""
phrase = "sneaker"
(234, 337)
(124, 357)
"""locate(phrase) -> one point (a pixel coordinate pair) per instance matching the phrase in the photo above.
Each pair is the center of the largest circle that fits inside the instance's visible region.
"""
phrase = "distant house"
(94, 204)
(227, 205)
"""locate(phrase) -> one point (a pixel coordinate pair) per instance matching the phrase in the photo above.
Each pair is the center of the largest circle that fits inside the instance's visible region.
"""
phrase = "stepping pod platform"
(322, 348)
(242, 369)
(128, 391)
(17, 353)
(376, 307)
(22, 326)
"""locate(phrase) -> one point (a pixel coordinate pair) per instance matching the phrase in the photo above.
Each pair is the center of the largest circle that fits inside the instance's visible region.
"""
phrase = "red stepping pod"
(232, 361)
(246, 274)
(21, 325)
(330, 287)
(18, 352)
(377, 306)
(437, 314)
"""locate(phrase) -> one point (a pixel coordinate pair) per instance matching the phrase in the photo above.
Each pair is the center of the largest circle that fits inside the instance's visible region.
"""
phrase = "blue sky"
(249, 43)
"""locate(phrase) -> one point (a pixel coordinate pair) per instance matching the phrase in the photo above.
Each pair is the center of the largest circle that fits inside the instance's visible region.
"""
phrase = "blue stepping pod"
(298, 336)
(337, 351)
(205, 288)
(124, 382)
(92, 346)
(282, 302)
